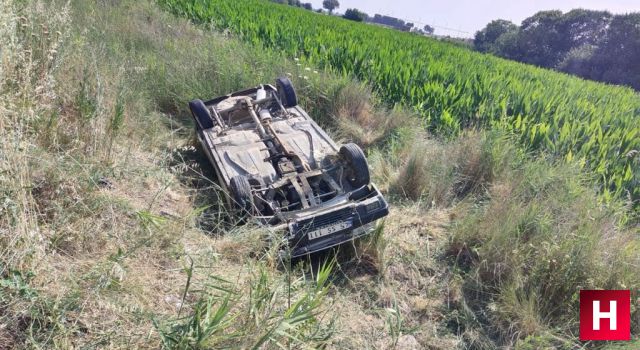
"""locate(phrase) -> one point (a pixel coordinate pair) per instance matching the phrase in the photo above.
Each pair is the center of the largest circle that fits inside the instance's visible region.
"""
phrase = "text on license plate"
(329, 229)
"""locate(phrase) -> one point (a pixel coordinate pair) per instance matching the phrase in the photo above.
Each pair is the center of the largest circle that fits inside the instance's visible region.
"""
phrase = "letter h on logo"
(611, 315)
(599, 324)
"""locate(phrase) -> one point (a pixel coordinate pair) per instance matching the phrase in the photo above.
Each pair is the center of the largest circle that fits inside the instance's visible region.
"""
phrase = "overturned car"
(280, 168)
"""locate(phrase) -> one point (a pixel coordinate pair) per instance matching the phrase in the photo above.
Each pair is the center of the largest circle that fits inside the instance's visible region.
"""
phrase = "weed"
(265, 315)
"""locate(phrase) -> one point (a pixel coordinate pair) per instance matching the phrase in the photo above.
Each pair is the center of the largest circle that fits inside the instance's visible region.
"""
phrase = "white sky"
(469, 16)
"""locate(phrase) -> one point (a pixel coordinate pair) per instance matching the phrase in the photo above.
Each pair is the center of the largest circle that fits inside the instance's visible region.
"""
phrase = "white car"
(280, 168)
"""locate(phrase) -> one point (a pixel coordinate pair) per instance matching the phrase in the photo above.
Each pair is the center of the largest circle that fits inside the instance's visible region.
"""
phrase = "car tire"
(201, 114)
(242, 198)
(357, 169)
(286, 92)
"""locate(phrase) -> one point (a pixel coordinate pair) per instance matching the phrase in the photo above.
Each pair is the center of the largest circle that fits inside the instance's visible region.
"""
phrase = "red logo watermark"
(605, 315)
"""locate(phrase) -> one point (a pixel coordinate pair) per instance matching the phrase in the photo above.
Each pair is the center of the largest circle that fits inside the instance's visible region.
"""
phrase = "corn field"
(592, 124)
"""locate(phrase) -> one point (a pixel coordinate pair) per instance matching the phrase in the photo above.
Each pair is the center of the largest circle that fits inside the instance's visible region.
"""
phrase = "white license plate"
(329, 229)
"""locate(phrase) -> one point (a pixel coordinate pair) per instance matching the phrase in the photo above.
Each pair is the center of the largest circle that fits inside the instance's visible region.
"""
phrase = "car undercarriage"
(281, 169)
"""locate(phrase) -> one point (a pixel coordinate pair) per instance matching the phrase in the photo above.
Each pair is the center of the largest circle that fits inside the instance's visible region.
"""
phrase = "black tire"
(357, 169)
(286, 92)
(201, 114)
(241, 196)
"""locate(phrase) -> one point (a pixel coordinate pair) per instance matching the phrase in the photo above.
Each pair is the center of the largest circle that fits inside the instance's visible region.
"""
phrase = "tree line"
(296, 3)
(356, 15)
(595, 45)
(330, 5)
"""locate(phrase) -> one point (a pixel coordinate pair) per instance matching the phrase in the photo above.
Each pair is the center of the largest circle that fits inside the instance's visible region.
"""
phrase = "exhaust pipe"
(264, 113)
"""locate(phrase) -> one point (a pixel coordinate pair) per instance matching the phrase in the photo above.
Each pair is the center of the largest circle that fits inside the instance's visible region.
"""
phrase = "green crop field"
(590, 123)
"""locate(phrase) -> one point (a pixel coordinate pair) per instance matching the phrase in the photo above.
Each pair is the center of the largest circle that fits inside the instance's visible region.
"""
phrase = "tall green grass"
(527, 237)
(275, 312)
(528, 252)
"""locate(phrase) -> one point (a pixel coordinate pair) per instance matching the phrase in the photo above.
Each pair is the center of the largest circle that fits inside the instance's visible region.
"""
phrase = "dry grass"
(527, 252)
(527, 236)
(404, 303)
(441, 174)
(94, 224)
(358, 118)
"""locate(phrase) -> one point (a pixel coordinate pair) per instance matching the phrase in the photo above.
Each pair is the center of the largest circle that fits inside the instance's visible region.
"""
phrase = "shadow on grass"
(197, 173)
(348, 259)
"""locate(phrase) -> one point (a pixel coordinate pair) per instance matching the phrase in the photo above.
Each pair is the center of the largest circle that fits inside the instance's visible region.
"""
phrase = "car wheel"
(286, 92)
(357, 169)
(201, 114)
(241, 194)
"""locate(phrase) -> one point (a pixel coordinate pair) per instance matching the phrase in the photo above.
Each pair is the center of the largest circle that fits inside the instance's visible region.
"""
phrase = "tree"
(546, 38)
(486, 39)
(509, 46)
(592, 44)
(583, 31)
(616, 60)
(542, 40)
(355, 15)
(578, 61)
(308, 6)
(428, 29)
(584, 27)
(330, 5)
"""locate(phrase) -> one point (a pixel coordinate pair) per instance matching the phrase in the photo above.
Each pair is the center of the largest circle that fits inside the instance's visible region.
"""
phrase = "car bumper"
(334, 227)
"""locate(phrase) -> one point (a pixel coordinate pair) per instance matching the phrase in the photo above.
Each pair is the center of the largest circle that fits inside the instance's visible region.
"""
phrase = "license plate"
(329, 229)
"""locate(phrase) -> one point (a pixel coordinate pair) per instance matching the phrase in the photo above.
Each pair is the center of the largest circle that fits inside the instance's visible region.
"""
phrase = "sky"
(463, 18)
